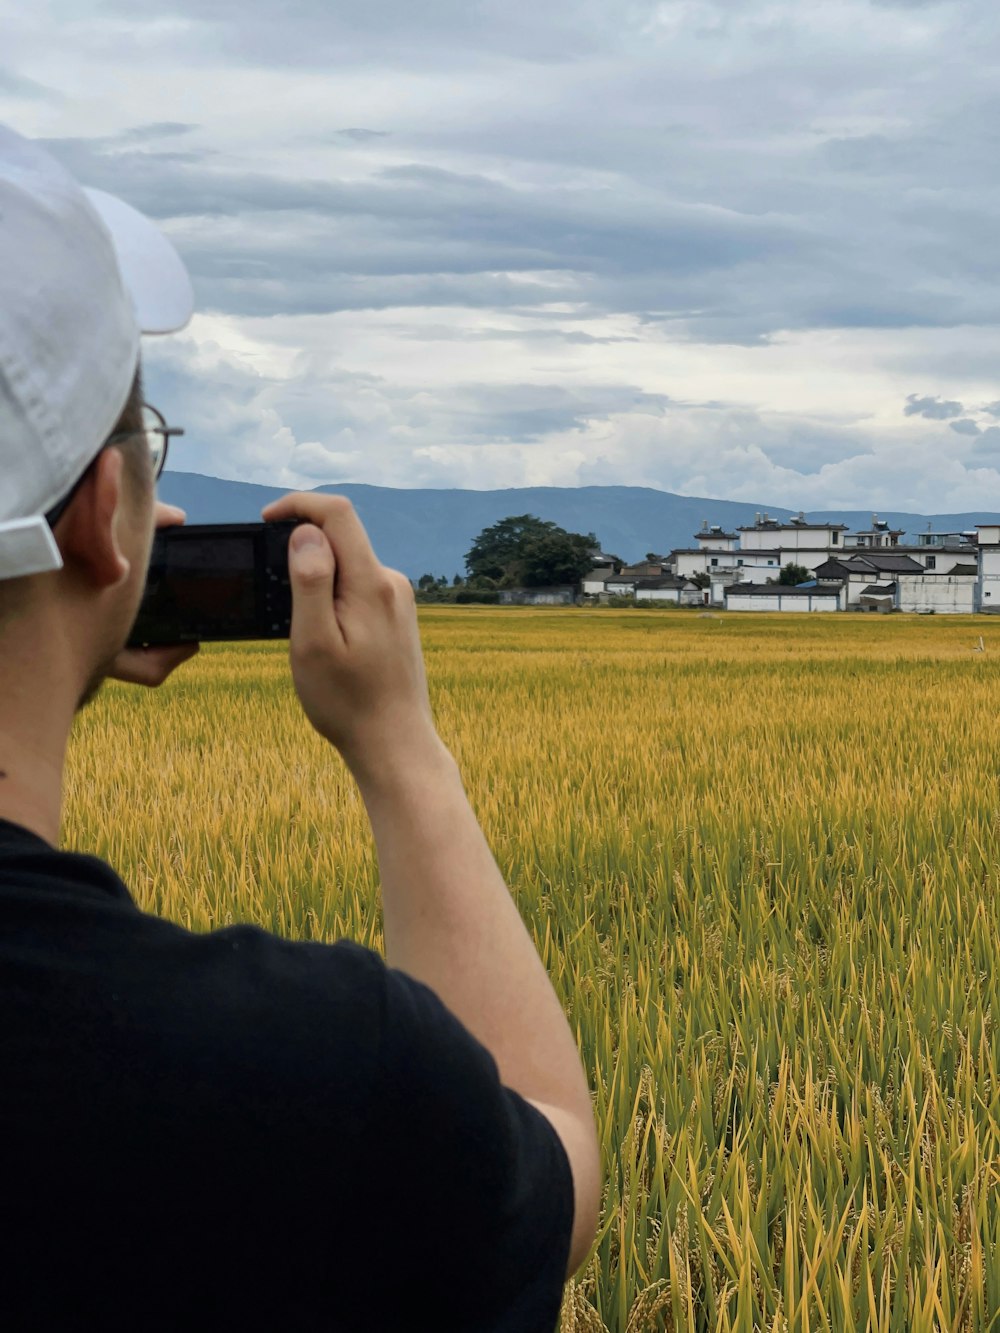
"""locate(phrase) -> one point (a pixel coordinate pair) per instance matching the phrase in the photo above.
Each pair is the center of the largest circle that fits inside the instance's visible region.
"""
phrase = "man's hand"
(355, 647)
(152, 666)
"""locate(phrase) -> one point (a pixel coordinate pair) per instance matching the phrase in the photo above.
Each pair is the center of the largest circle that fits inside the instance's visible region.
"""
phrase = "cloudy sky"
(746, 249)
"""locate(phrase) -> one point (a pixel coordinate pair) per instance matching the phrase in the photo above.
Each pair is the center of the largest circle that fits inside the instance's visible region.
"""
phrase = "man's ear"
(88, 536)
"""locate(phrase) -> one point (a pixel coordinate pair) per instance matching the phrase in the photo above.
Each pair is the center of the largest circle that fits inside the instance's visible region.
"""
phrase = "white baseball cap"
(82, 275)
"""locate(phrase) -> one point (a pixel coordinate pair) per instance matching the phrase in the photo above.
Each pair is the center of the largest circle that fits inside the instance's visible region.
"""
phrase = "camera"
(216, 581)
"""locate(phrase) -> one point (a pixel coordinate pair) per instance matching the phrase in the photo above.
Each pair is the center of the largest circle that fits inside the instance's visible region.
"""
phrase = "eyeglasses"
(157, 434)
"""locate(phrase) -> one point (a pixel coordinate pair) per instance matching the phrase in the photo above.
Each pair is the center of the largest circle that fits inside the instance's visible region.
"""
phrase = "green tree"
(558, 557)
(791, 574)
(526, 551)
(497, 547)
(426, 581)
(700, 579)
(457, 581)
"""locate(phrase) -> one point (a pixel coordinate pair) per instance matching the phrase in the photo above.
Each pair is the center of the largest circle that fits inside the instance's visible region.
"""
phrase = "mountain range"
(429, 531)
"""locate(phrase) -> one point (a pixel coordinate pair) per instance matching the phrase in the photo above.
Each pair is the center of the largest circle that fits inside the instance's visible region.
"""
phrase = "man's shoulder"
(290, 1030)
(244, 973)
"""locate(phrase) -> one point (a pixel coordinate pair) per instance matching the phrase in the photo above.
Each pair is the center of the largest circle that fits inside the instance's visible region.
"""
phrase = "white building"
(878, 537)
(775, 597)
(940, 552)
(688, 561)
(593, 583)
(620, 585)
(942, 559)
(989, 567)
(668, 589)
(862, 573)
(802, 543)
(938, 571)
(715, 539)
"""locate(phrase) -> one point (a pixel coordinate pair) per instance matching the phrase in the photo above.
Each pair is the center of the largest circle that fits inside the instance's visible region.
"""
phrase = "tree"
(497, 547)
(526, 551)
(791, 574)
(700, 579)
(426, 581)
(457, 581)
(558, 557)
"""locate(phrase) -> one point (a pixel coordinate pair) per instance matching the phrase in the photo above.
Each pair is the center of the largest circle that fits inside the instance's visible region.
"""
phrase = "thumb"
(311, 568)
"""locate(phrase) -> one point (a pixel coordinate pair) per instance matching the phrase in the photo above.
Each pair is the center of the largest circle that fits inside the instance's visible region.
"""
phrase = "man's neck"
(36, 715)
(28, 801)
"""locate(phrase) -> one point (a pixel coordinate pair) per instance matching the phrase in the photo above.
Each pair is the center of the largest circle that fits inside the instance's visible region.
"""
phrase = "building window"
(932, 562)
(714, 560)
(739, 562)
(835, 538)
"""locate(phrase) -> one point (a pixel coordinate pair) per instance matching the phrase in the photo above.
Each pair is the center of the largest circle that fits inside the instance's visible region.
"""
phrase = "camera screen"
(198, 585)
(210, 578)
(216, 581)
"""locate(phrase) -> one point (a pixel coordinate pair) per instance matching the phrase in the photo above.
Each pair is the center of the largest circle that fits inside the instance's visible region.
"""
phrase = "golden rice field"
(760, 856)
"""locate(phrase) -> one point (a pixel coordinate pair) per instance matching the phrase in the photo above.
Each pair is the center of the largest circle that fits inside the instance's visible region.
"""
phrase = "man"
(230, 1130)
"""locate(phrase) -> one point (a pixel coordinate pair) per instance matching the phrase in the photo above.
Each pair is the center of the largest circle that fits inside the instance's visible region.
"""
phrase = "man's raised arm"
(450, 920)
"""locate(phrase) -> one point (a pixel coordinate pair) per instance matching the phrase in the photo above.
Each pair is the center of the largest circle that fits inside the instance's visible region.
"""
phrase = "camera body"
(216, 582)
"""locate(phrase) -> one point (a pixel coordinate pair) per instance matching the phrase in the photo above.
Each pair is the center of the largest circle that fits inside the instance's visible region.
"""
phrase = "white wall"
(811, 555)
(792, 539)
(755, 560)
(771, 603)
(592, 585)
(944, 561)
(775, 602)
(658, 594)
(989, 577)
(691, 564)
(723, 560)
(938, 593)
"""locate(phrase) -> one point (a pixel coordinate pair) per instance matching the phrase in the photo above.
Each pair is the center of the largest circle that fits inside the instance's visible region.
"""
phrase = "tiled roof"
(667, 581)
(885, 564)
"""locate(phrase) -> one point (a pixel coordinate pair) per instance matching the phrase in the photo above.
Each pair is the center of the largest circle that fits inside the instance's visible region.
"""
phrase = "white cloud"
(731, 247)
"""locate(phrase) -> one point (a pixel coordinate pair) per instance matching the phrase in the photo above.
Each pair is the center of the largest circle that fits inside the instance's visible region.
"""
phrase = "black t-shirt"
(230, 1130)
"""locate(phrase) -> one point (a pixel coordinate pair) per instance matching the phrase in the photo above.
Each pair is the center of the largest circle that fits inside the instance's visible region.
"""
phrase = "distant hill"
(429, 531)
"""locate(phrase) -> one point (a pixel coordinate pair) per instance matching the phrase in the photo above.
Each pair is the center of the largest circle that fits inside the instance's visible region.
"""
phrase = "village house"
(989, 567)
(778, 597)
(871, 576)
(937, 552)
(797, 541)
(878, 536)
(937, 573)
(866, 570)
(668, 588)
